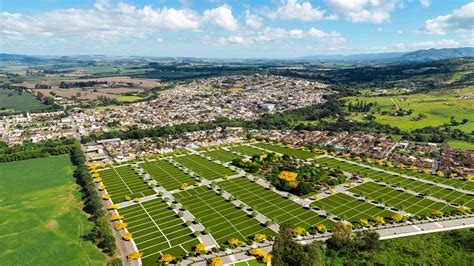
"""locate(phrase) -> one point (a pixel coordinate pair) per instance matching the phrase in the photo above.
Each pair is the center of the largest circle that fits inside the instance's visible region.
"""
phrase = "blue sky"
(231, 29)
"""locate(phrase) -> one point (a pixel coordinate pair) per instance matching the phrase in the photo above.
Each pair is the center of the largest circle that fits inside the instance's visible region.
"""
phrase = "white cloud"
(304, 11)
(222, 17)
(253, 21)
(425, 3)
(270, 34)
(372, 11)
(402, 47)
(461, 19)
(159, 40)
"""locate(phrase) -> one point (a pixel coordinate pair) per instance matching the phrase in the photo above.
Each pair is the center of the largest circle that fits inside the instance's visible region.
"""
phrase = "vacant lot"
(41, 218)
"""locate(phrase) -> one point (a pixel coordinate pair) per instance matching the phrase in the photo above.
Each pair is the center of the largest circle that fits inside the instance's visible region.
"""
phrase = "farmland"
(41, 205)
(12, 101)
(437, 108)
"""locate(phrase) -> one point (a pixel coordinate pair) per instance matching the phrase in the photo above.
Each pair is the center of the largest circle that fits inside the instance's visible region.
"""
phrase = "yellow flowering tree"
(364, 222)
(298, 231)
(136, 200)
(127, 197)
(112, 207)
(216, 261)
(469, 177)
(288, 176)
(439, 173)
(106, 196)
(437, 213)
(397, 217)
(120, 225)
(200, 248)
(95, 175)
(233, 242)
(134, 255)
(260, 237)
(389, 164)
(127, 236)
(413, 168)
(379, 219)
(183, 186)
(453, 174)
(101, 187)
(321, 228)
(426, 170)
(463, 209)
(116, 217)
(401, 166)
(167, 258)
(267, 258)
(261, 255)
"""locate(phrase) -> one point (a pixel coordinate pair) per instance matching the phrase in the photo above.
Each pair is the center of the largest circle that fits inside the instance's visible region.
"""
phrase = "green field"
(300, 154)
(166, 174)
(123, 181)
(247, 150)
(251, 262)
(414, 185)
(11, 101)
(157, 230)
(349, 208)
(462, 145)
(272, 205)
(399, 199)
(128, 99)
(41, 218)
(221, 217)
(222, 155)
(203, 167)
(438, 106)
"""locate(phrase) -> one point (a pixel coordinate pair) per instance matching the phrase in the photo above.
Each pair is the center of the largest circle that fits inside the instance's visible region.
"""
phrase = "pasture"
(12, 101)
(42, 222)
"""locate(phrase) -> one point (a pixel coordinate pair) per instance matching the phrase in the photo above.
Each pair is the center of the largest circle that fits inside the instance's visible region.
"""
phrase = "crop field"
(157, 230)
(11, 101)
(222, 155)
(123, 181)
(203, 167)
(437, 106)
(300, 154)
(417, 186)
(350, 208)
(220, 217)
(247, 150)
(399, 199)
(457, 183)
(271, 204)
(41, 217)
(166, 174)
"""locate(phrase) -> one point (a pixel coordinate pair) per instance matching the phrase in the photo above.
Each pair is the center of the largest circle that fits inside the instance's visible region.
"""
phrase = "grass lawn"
(123, 181)
(462, 145)
(203, 167)
(247, 150)
(285, 150)
(128, 99)
(221, 217)
(222, 155)
(271, 204)
(157, 229)
(166, 174)
(437, 106)
(399, 199)
(414, 185)
(349, 208)
(251, 262)
(41, 218)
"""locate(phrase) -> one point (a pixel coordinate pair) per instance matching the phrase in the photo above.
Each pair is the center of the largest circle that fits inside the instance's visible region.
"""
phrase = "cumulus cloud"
(372, 11)
(461, 19)
(222, 17)
(304, 11)
(425, 3)
(253, 21)
(101, 22)
(271, 34)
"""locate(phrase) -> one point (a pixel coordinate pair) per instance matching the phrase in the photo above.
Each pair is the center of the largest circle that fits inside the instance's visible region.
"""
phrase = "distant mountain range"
(397, 57)
(419, 55)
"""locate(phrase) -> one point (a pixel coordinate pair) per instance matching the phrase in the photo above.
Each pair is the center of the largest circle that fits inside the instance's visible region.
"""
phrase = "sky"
(232, 28)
